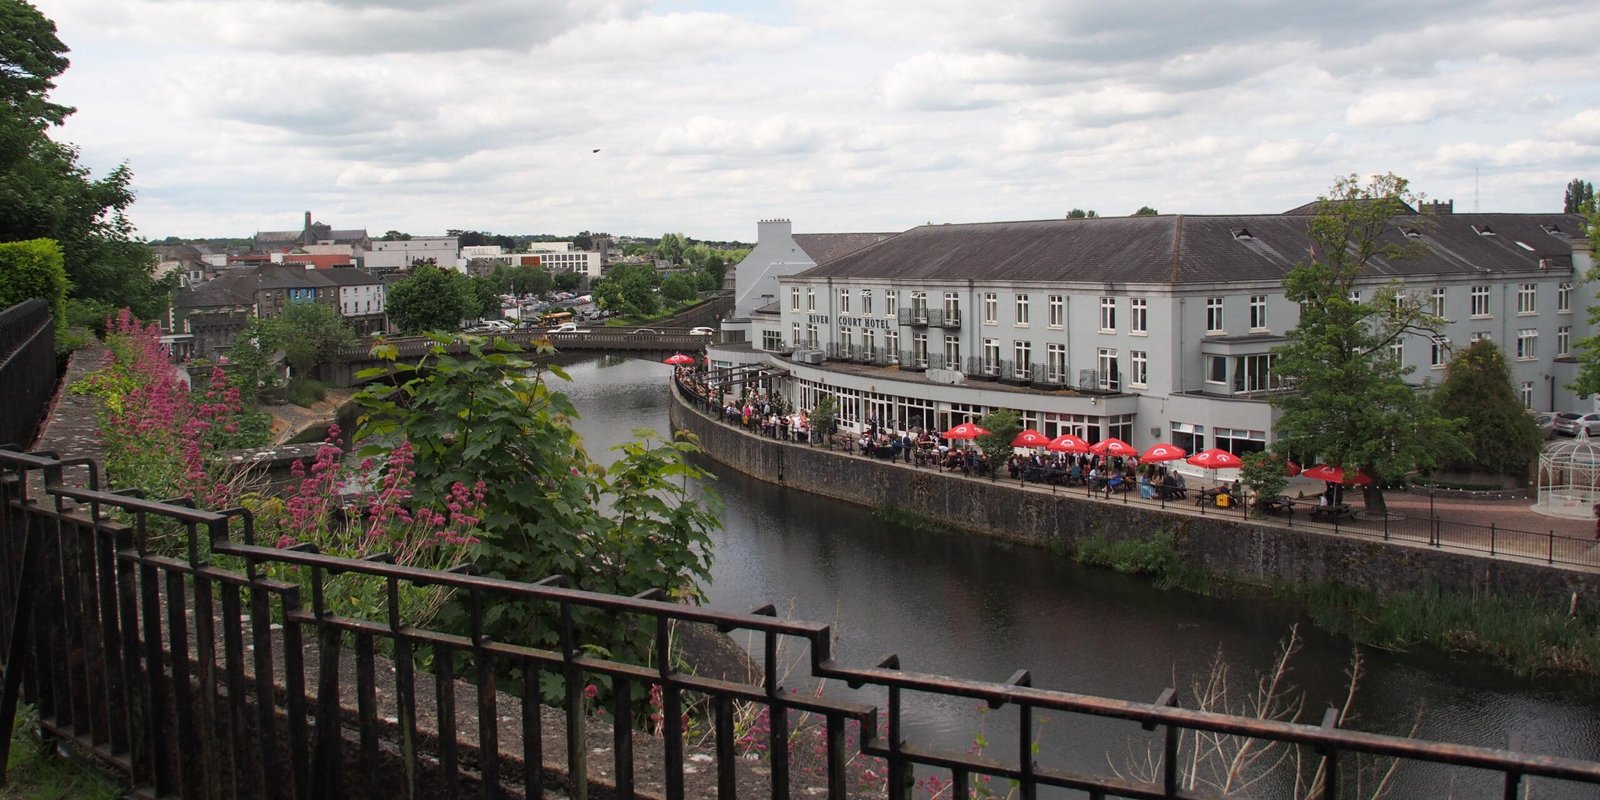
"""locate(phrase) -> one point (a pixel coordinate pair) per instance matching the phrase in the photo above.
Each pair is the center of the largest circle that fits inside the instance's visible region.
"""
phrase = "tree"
(628, 289)
(671, 248)
(33, 269)
(583, 241)
(430, 300)
(1003, 426)
(46, 194)
(1146, 211)
(1351, 404)
(1588, 381)
(1501, 436)
(394, 236)
(1265, 473)
(822, 418)
(313, 334)
(678, 287)
(567, 281)
(481, 297)
(1580, 198)
(1078, 213)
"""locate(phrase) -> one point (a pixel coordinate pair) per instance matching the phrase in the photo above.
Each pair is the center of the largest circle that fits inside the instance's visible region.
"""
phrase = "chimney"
(308, 221)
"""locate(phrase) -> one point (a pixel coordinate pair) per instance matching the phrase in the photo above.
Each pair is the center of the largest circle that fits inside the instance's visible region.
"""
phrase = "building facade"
(400, 255)
(1148, 329)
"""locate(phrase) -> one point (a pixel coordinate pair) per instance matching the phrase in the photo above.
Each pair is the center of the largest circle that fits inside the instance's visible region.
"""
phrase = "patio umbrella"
(1162, 452)
(1323, 472)
(965, 430)
(678, 360)
(1216, 458)
(1290, 468)
(1067, 443)
(1113, 447)
(1030, 438)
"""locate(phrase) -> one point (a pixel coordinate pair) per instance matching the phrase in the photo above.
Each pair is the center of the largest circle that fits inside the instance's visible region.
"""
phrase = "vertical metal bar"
(1512, 785)
(111, 646)
(722, 709)
(367, 712)
(777, 716)
(577, 722)
(1169, 763)
(1550, 556)
(16, 647)
(1491, 538)
(327, 758)
(488, 723)
(622, 734)
(960, 785)
(155, 674)
(444, 676)
(205, 640)
(90, 648)
(294, 685)
(74, 710)
(1330, 758)
(405, 701)
(136, 700)
(190, 750)
(532, 731)
(1025, 759)
(233, 662)
(837, 785)
(901, 778)
(671, 714)
(266, 700)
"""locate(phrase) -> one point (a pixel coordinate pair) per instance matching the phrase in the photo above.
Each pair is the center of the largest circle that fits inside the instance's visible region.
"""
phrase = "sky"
(639, 118)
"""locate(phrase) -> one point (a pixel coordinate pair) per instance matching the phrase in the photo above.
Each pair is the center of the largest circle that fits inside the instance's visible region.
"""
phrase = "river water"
(968, 607)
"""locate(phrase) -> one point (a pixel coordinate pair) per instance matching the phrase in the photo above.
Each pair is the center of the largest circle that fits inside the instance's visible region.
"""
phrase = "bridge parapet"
(410, 348)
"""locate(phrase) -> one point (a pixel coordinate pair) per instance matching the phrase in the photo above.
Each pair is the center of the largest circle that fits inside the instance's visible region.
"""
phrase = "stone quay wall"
(1262, 553)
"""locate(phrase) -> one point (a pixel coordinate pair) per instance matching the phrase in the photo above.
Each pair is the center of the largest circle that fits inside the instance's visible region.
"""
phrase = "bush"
(34, 268)
(305, 391)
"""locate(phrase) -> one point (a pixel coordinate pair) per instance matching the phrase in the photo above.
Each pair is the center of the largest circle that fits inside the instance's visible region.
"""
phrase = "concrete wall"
(1233, 547)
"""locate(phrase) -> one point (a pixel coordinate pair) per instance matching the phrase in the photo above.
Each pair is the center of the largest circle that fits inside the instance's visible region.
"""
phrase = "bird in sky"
(596, 150)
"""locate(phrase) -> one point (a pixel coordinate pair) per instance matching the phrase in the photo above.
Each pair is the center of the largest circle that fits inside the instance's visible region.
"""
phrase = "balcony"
(944, 318)
(915, 315)
(1095, 381)
(1052, 376)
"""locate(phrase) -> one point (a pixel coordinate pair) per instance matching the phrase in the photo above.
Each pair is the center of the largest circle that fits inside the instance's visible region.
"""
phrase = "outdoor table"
(1282, 504)
(1334, 512)
(1207, 497)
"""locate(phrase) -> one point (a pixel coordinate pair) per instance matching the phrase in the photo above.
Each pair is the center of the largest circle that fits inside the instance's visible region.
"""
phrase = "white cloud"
(1582, 127)
(1405, 107)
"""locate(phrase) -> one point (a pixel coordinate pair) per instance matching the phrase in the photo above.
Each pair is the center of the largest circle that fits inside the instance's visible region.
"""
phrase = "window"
(1436, 301)
(1564, 340)
(1527, 298)
(891, 342)
(1563, 298)
(1438, 352)
(1397, 351)
(1216, 369)
(991, 306)
(846, 341)
(794, 298)
(1139, 372)
(1058, 311)
(1355, 295)
(1108, 315)
(797, 341)
(919, 349)
(1021, 357)
(952, 307)
(1253, 373)
(1527, 344)
(1138, 316)
(952, 352)
(919, 305)
(1214, 315)
(1258, 312)
(844, 301)
(891, 302)
(866, 302)
(811, 336)
(1106, 360)
(1022, 310)
(1480, 301)
(811, 299)
(771, 340)
(869, 343)
(1055, 363)
(1525, 391)
(991, 356)
(1480, 336)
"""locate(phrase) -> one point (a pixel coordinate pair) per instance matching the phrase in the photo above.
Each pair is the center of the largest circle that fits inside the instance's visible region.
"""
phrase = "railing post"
(1550, 555)
(1491, 538)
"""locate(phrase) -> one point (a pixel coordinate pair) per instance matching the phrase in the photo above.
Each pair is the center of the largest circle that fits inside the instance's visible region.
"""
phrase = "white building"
(779, 253)
(1145, 328)
(361, 298)
(554, 257)
(394, 256)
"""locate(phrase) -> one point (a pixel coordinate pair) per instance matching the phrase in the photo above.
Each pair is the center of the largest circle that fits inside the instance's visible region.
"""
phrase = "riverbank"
(292, 423)
(1221, 553)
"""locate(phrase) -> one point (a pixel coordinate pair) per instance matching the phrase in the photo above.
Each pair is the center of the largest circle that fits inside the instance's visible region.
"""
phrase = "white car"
(567, 327)
(702, 331)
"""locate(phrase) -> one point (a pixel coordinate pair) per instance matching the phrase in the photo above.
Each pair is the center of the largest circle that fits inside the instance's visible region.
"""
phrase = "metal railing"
(27, 369)
(190, 676)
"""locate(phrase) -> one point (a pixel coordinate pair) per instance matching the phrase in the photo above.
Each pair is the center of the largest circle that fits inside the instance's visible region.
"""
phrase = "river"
(969, 607)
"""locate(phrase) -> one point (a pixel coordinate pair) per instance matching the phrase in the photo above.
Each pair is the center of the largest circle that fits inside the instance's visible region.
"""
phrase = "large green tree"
(1352, 405)
(629, 289)
(1588, 381)
(432, 299)
(46, 194)
(1501, 436)
(1579, 198)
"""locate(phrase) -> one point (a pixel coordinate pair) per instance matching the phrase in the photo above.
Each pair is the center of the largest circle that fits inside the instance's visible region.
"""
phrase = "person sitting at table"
(1147, 490)
(1114, 483)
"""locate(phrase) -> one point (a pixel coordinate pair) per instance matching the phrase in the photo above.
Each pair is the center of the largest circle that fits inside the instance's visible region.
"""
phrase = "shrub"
(305, 391)
(34, 268)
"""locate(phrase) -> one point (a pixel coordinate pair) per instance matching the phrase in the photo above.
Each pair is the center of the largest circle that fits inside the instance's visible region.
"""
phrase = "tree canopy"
(1579, 198)
(1501, 436)
(1351, 405)
(432, 299)
(1146, 211)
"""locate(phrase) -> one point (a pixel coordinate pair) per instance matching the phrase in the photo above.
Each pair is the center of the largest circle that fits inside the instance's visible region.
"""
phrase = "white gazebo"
(1569, 477)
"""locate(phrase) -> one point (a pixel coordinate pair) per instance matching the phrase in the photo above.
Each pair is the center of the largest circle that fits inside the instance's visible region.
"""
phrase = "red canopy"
(1113, 447)
(1216, 458)
(1067, 443)
(1290, 468)
(1323, 472)
(1163, 452)
(1030, 438)
(678, 360)
(965, 430)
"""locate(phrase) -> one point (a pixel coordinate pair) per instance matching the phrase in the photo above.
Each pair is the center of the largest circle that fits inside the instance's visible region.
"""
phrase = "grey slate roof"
(1181, 249)
(232, 288)
(825, 247)
(350, 276)
(282, 277)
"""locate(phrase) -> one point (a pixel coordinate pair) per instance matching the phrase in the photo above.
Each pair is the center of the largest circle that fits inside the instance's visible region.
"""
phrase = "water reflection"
(967, 607)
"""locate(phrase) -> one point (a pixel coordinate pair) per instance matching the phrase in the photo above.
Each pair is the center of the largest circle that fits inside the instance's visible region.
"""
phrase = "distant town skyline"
(640, 118)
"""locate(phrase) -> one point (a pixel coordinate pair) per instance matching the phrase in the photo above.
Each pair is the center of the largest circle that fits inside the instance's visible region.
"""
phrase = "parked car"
(702, 331)
(567, 327)
(650, 331)
(1546, 421)
(1570, 422)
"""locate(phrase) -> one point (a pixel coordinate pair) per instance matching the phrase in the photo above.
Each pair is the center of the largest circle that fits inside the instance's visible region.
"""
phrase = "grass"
(305, 392)
(37, 771)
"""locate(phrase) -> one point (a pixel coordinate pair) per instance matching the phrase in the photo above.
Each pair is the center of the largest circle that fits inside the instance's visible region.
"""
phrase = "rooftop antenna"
(1474, 190)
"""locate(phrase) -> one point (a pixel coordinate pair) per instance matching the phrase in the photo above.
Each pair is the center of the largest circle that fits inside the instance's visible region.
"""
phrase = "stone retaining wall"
(1238, 549)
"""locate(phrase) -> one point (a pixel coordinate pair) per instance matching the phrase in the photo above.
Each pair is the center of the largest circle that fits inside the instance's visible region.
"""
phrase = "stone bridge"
(596, 340)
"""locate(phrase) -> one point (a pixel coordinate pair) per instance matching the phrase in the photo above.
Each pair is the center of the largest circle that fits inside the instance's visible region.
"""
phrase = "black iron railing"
(202, 676)
(27, 369)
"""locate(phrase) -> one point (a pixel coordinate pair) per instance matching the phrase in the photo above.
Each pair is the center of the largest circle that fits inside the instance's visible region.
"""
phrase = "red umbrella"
(1113, 447)
(965, 430)
(1067, 443)
(1290, 468)
(1163, 452)
(1030, 438)
(1215, 458)
(678, 360)
(1323, 472)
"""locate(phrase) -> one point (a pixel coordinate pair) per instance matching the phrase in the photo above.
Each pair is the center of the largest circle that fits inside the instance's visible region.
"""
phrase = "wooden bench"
(1332, 513)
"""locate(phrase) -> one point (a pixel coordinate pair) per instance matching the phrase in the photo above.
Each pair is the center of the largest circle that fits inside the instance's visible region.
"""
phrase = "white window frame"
(891, 342)
(794, 298)
(891, 302)
(1022, 311)
(1138, 369)
(1527, 299)
(1021, 357)
(1436, 300)
(1216, 323)
(844, 301)
(1138, 316)
(1480, 302)
(1055, 362)
(991, 308)
(1527, 344)
(1258, 312)
(866, 302)
(1057, 311)
(1564, 298)
(1564, 340)
(1108, 315)
(1105, 356)
(811, 299)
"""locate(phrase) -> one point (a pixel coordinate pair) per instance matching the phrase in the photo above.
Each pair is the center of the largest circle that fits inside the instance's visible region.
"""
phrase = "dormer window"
(1242, 233)
(1483, 230)
(1411, 233)
(1553, 230)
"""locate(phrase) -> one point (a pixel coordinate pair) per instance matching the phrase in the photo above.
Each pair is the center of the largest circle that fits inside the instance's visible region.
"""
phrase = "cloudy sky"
(865, 115)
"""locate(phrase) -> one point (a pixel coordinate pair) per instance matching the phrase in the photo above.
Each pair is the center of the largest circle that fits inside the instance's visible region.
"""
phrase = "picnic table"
(1333, 513)
(1282, 504)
